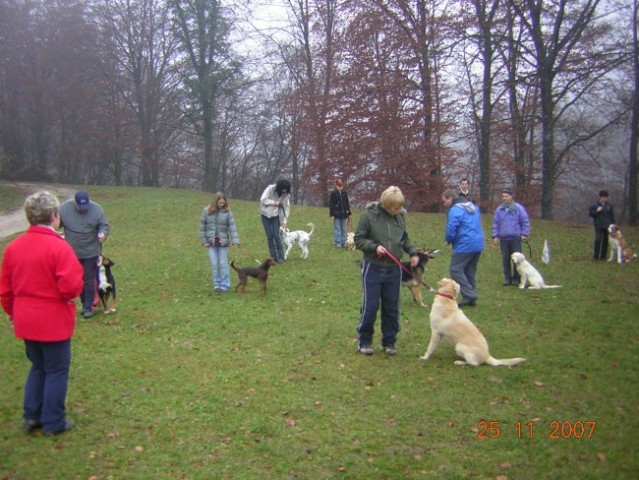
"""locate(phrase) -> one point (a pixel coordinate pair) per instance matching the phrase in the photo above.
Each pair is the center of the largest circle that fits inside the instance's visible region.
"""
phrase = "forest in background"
(231, 95)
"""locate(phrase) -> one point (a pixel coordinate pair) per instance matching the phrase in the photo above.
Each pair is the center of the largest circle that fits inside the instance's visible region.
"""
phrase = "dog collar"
(445, 295)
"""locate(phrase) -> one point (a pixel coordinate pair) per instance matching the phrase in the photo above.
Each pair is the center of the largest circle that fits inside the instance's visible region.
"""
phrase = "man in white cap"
(85, 228)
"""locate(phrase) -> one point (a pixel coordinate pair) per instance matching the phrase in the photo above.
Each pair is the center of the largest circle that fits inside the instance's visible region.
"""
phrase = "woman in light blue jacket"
(218, 232)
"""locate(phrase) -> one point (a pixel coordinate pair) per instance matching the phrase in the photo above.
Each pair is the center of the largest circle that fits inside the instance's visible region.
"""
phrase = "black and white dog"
(106, 284)
(300, 237)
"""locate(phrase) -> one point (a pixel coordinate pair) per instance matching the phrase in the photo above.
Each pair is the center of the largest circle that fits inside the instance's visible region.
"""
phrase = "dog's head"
(517, 258)
(613, 229)
(426, 254)
(104, 261)
(268, 262)
(448, 286)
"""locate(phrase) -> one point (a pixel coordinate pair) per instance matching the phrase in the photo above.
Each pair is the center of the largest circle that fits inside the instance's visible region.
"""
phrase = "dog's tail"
(312, 229)
(233, 265)
(505, 361)
(552, 286)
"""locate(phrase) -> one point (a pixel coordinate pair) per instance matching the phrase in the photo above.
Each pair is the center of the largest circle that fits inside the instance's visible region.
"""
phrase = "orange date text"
(553, 430)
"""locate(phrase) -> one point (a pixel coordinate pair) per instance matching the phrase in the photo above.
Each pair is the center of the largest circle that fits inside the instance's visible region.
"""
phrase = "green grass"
(182, 383)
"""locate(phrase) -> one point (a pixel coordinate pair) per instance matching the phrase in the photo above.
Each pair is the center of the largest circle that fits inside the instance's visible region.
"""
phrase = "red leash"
(392, 257)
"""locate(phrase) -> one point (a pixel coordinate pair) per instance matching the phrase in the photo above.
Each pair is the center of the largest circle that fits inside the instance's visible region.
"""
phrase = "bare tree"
(634, 121)
(143, 46)
(568, 54)
(203, 30)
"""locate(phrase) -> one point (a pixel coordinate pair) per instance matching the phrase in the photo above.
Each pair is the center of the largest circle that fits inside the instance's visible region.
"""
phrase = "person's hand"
(207, 244)
(495, 241)
(523, 237)
(276, 203)
(599, 209)
(414, 260)
(101, 237)
(284, 225)
(380, 250)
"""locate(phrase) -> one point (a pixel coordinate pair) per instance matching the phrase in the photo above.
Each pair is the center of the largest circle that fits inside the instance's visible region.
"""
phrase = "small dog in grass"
(260, 273)
(291, 237)
(448, 321)
(350, 241)
(106, 284)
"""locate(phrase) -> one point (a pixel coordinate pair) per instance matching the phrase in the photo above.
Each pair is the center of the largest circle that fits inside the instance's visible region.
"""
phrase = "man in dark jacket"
(602, 215)
(340, 212)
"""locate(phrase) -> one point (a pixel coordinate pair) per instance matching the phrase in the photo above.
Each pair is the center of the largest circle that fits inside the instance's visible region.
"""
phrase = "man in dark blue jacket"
(464, 232)
(602, 215)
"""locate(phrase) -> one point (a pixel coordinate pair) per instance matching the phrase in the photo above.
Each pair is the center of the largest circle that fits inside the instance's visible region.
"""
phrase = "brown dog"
(415, 279)
(261, 273)
(619, 249)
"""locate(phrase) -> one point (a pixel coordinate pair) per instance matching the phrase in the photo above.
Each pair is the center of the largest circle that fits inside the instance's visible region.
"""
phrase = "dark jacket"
(604, 218)
(377, 227)
(338, 204)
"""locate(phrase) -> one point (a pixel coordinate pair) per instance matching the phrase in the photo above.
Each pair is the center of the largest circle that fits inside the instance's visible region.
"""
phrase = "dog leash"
(392, 257)
(245, 252)
(526, 242)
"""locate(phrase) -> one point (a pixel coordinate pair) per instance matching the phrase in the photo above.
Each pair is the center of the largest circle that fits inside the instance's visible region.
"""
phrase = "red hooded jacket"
(40, 277)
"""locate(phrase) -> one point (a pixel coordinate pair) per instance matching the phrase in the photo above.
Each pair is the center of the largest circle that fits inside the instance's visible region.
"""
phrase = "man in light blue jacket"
(465, 234)
(510, 227)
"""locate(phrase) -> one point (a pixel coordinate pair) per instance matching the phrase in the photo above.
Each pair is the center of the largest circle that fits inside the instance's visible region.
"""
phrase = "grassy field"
(182, 383)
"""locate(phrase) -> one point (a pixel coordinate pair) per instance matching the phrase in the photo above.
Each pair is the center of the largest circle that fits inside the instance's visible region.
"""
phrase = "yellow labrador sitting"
(528, 274)
(449, 322)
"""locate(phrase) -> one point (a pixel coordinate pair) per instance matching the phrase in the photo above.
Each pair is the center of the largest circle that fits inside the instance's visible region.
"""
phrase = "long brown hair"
(213, 205)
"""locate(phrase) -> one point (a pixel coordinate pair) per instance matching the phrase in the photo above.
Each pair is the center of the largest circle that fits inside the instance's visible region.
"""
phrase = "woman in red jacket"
(40, 277)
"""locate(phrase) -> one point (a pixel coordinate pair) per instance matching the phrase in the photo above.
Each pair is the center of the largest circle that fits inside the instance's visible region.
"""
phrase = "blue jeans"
(272, 230)
(339, 231)
(46, 388)
(508, 247)
(219, 257)
(463, 267)
(88, 296)
(379, 283)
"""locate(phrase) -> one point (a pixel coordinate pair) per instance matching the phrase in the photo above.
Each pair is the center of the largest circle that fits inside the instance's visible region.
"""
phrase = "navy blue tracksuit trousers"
(379, 283)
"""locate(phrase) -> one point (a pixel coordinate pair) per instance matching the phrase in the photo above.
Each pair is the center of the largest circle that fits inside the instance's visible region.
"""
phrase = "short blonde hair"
(40, 207)
(392, 198)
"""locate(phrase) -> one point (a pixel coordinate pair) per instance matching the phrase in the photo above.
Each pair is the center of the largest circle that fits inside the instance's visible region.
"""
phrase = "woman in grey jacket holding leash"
(218, 232)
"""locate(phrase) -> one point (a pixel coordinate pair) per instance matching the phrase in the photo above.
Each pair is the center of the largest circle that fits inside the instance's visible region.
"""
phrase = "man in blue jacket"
(465, 234)
(510, 227)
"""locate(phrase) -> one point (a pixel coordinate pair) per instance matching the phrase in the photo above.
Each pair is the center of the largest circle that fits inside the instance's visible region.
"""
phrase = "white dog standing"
(528, 274)
(448, 321)
(300, 237)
